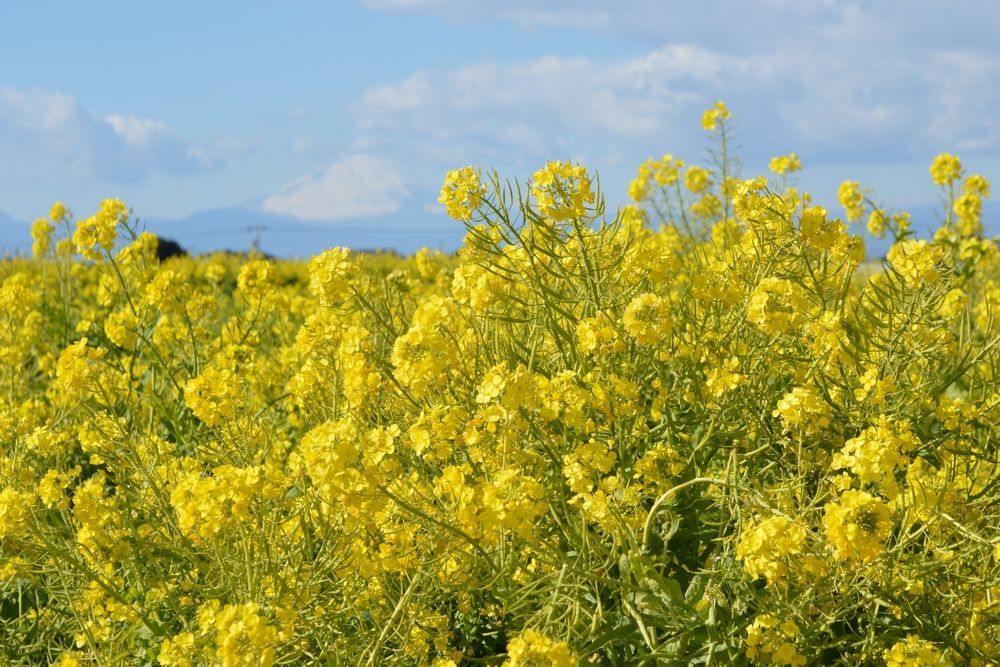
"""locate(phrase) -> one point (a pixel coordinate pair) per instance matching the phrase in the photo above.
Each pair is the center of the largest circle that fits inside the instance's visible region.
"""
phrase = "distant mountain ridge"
(404, 231)
(15, 235)
(287, 236)
(281, 235)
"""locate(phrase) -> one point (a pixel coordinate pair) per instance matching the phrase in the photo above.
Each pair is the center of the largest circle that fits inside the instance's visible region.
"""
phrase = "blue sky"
(328, 113)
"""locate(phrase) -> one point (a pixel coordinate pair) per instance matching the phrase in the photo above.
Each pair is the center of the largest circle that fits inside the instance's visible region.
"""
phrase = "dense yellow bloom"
(878, 451)
(177, 651)
(256, 278)
(777, 306)
(533, 649)
(724, 377)
(15, 507)
(75, 369)
(562, 191)
(330, 274)
(52, 488)
(877, 222)
(662, 172)
(585, 465)
(857, 526)
(946, 169)
(213, 395)
(803, 408)
(766, 544)
(647, 319)
(59, 212)
(968, 208)
(818, 231)
(702, 411)
(462, 192)
(121, 328)
(976, 184)
(208, 504)
(243, 637)
(916, 262)
(914, 652)
(426, 350)
(329, 453)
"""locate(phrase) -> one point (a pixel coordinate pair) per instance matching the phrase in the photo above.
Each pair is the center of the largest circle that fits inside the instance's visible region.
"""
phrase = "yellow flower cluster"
(771, 641)
(878, 452)
(765, 546)
(100, 230)
(777, 306)
(857, 525)
(946, 169)
(462, 193)
(213, 395)
(710, 118)
(647, 319)
(533, 649)
(916, 262)
(785, 164)
(562, 191)
(329, 275)
(850, 197)
(660, 173)
(914, 652)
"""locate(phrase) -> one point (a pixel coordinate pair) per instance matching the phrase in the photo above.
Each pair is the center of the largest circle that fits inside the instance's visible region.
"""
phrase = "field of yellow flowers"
(700, 430)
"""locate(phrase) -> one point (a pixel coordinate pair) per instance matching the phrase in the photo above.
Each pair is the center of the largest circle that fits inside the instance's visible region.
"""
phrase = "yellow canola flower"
(880, 450)
(785, 164)
(533, 649)
(462, 193)
(243, 637)
(857, 526)
(562, 191)
(697, 179)
(710, 117)
(213, 395)
(818, 230)
(330, 275)
(647, 319)
(15, 507)
(100, 230)
(765, 546)
(770, 641)
(41, 234)
(777, 306)
(914, 652)
(850, 197)
(946, 169)
(916, 261)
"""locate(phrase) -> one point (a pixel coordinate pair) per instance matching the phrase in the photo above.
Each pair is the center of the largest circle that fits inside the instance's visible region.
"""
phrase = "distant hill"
(404, 231)
(14, 235)
(285, 236)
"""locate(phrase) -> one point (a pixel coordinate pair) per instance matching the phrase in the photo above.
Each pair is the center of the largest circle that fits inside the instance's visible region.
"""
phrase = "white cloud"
(540, 107)
(356, 186)
(838, 94)
(53, 133)
(138, 131)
